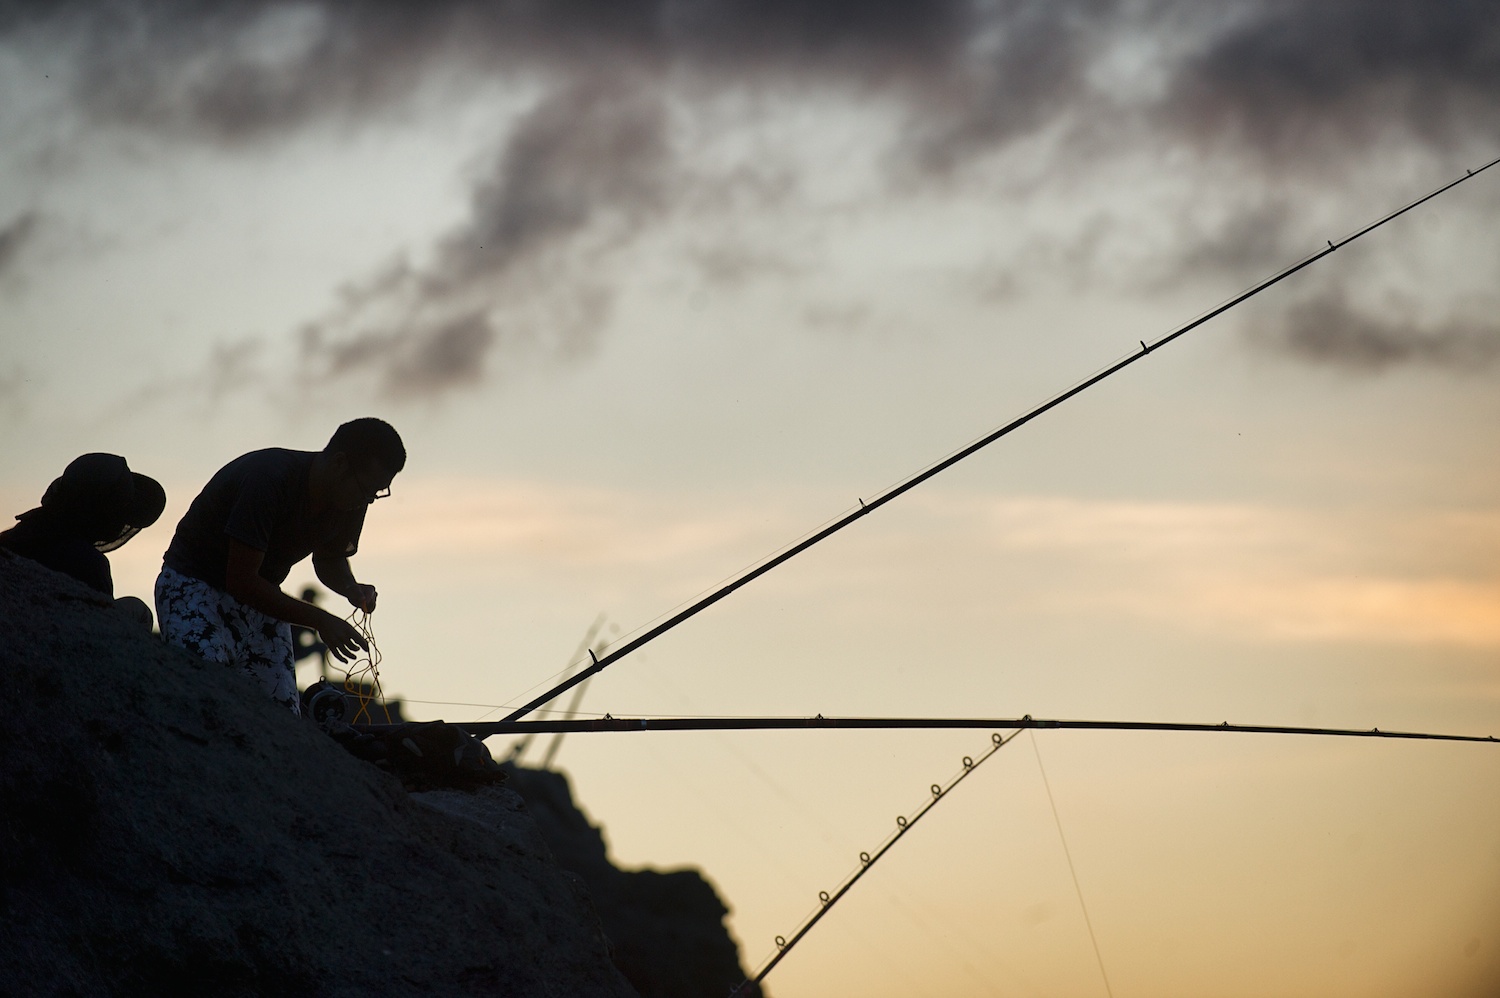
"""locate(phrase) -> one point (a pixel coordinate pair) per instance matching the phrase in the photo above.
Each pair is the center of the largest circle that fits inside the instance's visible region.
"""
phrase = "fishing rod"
(904, 824)
(486, 729)
(865, 508)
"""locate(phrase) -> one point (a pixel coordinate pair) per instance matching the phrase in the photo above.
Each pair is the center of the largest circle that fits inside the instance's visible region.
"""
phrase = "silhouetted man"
(219, 593)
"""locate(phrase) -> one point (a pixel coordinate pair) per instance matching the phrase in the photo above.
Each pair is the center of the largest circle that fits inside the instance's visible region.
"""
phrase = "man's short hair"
(369, 440)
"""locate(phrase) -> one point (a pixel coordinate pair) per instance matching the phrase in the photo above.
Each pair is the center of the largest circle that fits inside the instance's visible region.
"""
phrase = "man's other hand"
(363, 597)
(342, 639)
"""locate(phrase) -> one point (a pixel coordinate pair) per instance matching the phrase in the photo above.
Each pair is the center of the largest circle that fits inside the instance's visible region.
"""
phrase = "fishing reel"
(324, 703)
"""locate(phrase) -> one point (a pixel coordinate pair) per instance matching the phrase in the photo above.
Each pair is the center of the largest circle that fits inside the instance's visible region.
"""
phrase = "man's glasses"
(370, 496)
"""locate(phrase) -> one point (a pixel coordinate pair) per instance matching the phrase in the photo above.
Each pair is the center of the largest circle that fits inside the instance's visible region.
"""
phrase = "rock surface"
(667, 927)
(166, 830)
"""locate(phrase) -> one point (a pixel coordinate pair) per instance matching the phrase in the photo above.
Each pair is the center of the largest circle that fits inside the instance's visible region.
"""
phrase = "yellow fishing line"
(362, 677)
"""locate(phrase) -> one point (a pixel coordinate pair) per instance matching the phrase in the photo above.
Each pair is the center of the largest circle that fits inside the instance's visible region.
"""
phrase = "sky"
(654, 288)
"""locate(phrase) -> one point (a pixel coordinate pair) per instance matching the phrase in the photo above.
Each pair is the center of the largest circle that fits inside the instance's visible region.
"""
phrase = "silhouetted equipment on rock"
(424, 755)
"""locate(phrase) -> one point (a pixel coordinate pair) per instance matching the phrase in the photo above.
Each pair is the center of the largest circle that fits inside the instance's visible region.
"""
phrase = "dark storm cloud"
(1293, 79)
(413, 361)
(232, 69)
(592, 157)
(1030, 68)
(1327, 329)
(1288, 77)
(14, 235)
(1254, 238)
(1264, 87)
(597, 146)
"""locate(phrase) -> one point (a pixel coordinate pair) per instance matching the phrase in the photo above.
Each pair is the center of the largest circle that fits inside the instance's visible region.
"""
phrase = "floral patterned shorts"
(216, 627)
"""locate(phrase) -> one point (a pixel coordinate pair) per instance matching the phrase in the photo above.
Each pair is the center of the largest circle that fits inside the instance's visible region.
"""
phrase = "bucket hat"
(98, 495)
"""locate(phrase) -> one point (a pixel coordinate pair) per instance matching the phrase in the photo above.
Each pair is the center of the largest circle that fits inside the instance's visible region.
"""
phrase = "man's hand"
(342, 639)
(363, 597)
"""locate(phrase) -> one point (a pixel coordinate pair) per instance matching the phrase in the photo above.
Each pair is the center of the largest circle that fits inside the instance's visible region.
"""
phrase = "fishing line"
(827, 900)
(904, 824)
(362, 677)
(584, 644)
(490, 707)
(867, 507)
(572, 709)
(1068, 853)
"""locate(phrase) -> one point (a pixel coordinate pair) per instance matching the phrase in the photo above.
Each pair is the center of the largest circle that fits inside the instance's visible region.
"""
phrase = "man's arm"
(336, 574)
(243, 581)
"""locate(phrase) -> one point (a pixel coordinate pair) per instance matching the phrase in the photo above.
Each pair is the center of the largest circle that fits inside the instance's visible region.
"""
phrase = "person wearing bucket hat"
(93, 507)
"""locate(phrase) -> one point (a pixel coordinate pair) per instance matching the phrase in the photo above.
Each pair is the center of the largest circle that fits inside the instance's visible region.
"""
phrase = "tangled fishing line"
(362, 677)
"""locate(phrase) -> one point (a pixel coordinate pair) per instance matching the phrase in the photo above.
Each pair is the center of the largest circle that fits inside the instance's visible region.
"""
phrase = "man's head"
(365, 454)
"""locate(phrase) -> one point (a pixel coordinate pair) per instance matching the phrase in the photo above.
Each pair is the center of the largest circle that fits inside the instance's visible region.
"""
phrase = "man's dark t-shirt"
(44, 538)
(260, 500)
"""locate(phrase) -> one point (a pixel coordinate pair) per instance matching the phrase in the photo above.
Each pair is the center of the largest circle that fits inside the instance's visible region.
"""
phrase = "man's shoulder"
(273, 457)
(268, 463)
(265, 474)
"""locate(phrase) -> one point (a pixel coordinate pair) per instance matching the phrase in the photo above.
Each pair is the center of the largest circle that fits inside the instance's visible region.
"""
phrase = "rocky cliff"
(165, 830)
(666, 928)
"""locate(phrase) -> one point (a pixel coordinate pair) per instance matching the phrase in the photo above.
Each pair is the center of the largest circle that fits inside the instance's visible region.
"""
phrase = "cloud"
(1276, 573)
(727, 265)
(15, 386)
(231, 368)
(1328, 329)
(13, 238)
(1260, 91)
(236, 70)
(575, 180)
(1028, 68)
(414, 361)
(1285, 77)
(1292, 81)
(1269, 573)
(1252, 239)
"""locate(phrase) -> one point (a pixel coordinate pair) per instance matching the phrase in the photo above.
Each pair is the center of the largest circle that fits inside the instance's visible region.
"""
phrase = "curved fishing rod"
(865, 508)
(484, 729)
(904, 823)
(866, 860)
